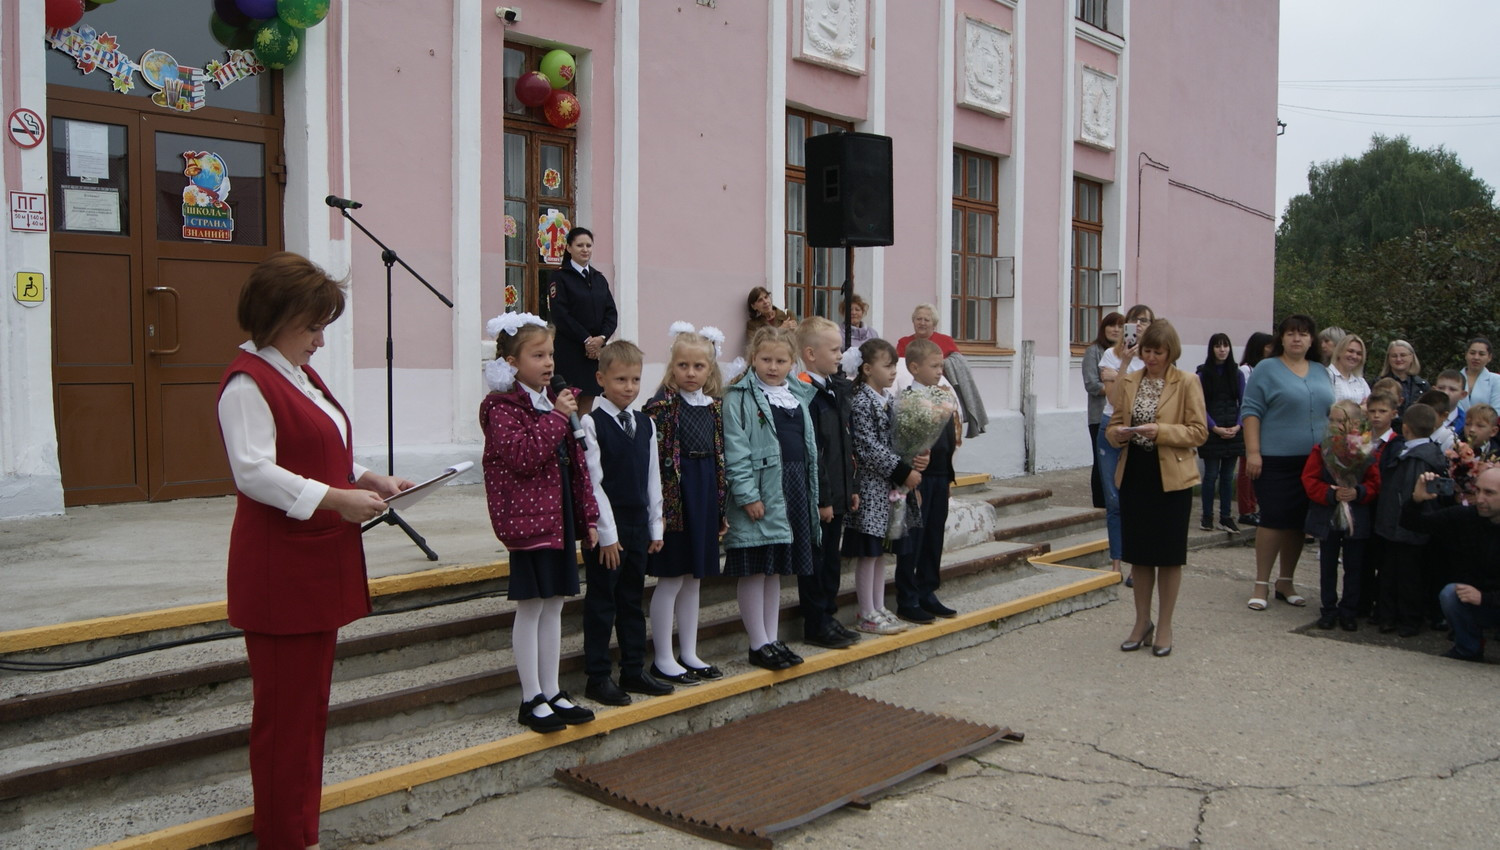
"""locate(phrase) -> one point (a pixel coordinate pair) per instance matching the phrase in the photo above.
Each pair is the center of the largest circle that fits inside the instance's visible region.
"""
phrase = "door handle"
(176, 331)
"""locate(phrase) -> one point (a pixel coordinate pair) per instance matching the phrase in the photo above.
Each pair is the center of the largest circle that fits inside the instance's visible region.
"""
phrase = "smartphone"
(1440, 487)
(1130, 331)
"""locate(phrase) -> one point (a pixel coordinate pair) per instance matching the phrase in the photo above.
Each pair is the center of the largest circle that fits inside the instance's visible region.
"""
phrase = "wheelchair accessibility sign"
(31, 288)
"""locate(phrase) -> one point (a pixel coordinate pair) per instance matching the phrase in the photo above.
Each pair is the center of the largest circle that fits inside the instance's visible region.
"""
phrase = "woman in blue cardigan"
(1285, 412)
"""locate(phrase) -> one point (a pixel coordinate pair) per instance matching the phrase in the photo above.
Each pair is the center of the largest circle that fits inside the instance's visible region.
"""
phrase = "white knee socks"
(687, 622)
(751, 594)
(663, 605)
(869, 585)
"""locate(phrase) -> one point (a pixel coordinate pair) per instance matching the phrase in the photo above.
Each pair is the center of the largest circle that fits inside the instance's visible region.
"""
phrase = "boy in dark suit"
(1402, 600)
(920, 556)
(622, 459)
(819, 343)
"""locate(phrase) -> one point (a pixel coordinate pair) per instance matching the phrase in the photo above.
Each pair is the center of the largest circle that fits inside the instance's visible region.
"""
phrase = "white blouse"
(1354, 388)
(250, 439)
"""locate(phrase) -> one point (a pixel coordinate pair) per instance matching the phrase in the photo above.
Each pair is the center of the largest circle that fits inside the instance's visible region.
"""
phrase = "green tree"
(1433, 288)
(1390, 191)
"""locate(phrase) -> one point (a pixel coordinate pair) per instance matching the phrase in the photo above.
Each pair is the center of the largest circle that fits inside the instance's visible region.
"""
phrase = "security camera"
(508, 14)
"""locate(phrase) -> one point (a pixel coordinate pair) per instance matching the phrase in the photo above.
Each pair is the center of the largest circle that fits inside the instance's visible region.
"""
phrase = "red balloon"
(562, 109)
(533, 88)
(62, 14)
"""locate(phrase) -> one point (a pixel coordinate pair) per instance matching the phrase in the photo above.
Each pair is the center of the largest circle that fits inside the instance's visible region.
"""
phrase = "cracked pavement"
(1253, 733)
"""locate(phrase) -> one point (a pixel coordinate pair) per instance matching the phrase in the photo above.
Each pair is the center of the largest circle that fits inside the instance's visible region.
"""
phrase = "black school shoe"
(605, 692)
(1349, 624)
(829, 638)
(938, 609)
(706, 674)
(686, 678)
(768, 658)
(914, 615)
(1327, 622)
(852, 635)
(791, 658)
(1459, 656)
(549, 723)
(644, 683)
(570, 715)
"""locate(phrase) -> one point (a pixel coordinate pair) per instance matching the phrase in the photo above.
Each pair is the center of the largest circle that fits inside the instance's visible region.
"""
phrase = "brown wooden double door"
(143, 305)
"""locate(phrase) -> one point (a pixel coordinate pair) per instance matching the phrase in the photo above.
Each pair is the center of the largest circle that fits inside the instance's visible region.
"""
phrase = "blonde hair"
(713, 385)
(1344, 342)
(928, 308)
(1354, 416)
(767, 335)
(918, 350)
(1416, 365)
(1481, 411)
(621, 351)
(809, 329)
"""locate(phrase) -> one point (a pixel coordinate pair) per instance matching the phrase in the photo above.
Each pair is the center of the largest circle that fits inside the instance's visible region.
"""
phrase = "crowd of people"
(790, 467)
(1324, 455)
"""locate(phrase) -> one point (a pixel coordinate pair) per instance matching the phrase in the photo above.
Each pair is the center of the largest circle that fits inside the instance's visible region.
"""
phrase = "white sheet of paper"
(88, 150)
(91, 209)
(407, 498)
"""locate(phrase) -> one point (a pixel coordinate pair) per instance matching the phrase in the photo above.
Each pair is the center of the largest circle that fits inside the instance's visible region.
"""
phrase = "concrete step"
(993, 574)
(1048, 523)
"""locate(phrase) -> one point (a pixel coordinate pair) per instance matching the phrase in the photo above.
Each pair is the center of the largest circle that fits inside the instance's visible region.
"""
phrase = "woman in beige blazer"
(1159, 424)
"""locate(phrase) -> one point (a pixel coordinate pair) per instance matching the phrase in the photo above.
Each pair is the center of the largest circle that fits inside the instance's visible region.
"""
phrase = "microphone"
(559, 383)
(342, 203)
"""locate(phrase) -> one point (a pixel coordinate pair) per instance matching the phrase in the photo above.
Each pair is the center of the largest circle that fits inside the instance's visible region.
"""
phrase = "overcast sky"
(1383, 56)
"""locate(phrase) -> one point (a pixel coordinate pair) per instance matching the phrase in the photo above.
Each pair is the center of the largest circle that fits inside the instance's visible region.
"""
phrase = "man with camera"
(1470, 534)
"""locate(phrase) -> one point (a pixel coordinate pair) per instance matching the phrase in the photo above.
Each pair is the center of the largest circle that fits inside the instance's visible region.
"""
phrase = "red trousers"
(291, 675)
(1245, 492)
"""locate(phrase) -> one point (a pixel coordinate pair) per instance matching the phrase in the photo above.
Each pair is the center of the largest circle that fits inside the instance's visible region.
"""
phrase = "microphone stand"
(390, 259)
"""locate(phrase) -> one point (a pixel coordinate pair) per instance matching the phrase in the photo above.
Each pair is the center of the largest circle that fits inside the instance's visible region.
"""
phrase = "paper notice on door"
(88, 150)
(91, 209)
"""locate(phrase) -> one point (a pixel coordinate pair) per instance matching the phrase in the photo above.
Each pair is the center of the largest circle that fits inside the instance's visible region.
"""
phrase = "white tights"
(869, 585)
(676, 595)
(536, 643)
(760, 607)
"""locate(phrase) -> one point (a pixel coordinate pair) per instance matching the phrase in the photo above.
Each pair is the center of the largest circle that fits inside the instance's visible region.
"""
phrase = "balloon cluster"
(274, 29)
(543, 87)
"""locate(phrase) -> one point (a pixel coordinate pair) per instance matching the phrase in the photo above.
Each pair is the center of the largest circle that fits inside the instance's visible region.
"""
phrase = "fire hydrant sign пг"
(28, 212)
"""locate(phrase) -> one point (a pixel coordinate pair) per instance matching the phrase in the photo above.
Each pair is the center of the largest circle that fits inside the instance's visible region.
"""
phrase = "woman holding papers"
(296, 563)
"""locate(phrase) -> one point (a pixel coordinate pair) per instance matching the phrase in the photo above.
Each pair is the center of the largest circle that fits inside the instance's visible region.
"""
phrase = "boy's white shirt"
(1444, 437)
(609, 535)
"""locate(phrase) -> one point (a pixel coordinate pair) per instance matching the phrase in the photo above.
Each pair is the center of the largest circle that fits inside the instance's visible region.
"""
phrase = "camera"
(1440, 487)
(508, 14)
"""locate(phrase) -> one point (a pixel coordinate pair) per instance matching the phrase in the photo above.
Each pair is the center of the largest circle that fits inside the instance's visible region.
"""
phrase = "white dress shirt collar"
(582, 270)
(696, 398)
(539, 399)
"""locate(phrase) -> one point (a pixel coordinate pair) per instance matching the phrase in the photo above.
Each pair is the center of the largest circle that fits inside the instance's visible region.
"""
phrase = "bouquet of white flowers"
(920, 416)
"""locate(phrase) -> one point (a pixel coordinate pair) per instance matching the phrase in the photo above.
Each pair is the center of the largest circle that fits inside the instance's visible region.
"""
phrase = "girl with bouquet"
(1342, 480)
(880, 469)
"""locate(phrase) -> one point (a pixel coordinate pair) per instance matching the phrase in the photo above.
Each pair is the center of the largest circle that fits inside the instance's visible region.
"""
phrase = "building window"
(1095, 13)
(540, 179)
(1088, 234)
(814, 276)
(975, 215)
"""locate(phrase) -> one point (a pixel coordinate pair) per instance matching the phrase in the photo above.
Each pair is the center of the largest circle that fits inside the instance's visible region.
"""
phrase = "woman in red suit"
(296, 563)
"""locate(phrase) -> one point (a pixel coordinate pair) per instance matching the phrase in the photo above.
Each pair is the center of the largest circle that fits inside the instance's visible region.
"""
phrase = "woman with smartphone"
(1114, 364)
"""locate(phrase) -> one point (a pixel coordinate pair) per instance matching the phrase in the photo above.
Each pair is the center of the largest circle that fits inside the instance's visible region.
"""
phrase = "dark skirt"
(1153, 523)
(694, 551)
(542, 574)
(1279, 493)
(787, 559)
(573, 363)
(858, 544)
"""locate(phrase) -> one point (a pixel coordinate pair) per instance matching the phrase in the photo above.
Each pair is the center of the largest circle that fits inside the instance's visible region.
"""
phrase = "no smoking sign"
(25, 127)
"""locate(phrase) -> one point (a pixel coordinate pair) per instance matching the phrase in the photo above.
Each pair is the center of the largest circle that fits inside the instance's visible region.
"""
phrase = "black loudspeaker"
(848, 190)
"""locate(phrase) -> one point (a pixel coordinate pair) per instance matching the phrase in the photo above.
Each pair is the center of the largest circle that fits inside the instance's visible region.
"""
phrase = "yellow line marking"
(405, 777)
(968, 479)
(119, 625)
(1057, 556)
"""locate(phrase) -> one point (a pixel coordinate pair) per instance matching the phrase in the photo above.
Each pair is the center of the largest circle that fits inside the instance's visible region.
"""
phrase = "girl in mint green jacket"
(771, 456)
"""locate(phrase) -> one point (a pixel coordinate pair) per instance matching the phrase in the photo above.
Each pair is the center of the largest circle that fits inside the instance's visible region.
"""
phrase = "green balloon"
(302, 13)
(277, 43)
(223, 32)
(558, 67)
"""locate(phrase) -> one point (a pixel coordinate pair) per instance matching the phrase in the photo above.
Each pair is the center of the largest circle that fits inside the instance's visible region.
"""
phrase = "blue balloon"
(258, 9)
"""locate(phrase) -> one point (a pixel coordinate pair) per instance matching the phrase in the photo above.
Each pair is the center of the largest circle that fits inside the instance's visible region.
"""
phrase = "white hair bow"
(708, 332)
(499, 375)
(511, 322)
(851, 360)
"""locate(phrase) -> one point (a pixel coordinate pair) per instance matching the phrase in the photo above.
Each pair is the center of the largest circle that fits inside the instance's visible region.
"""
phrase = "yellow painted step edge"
(77, 631)
(969, 479)
(230, 824)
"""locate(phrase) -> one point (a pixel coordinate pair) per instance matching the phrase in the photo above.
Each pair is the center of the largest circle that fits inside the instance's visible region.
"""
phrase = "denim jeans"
(1218, 470)
(1109, 458)
(1468, 621)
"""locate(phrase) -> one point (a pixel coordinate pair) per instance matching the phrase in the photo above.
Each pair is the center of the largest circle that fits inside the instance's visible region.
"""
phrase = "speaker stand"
(848, 296)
